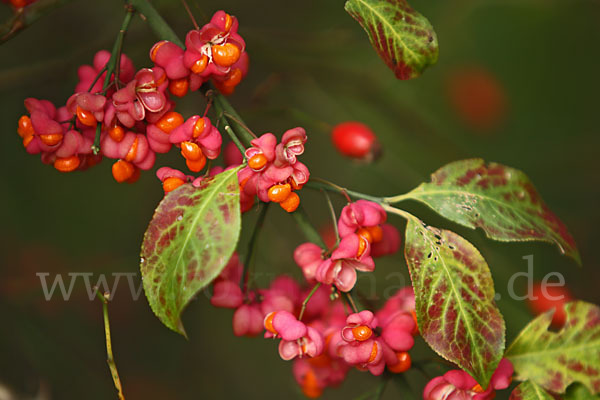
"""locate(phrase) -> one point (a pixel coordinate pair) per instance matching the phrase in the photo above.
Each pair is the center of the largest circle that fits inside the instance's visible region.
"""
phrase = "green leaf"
(454, 295)
(529, 391)
(498, 199)
(554, 360)
(402, 37)
(190, 239)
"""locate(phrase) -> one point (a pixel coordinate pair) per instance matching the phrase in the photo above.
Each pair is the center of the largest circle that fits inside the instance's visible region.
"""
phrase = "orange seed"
(196, 166)
(257, 162)
(85, 117)
(291, 203)
(25, 128)
(51, 139)
(169, 121)
(404, 363)
(67, 164)
(122, 170)
(278, 193)
(172, 183)
(225, 55)
(179, 87)
(362, 333)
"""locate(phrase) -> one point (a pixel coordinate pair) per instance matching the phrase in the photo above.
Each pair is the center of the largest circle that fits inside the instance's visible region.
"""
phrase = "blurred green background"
(516, 83)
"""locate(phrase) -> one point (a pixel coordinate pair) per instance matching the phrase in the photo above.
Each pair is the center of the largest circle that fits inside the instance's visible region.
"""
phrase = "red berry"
(547, 297)
(356, 140)
(478, 98)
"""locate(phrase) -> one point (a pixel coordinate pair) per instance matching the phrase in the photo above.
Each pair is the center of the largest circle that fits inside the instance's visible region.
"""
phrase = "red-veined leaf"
(189, 241)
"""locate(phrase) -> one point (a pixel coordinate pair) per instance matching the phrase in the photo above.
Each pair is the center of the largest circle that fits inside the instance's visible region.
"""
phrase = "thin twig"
(110, 358)
(251, 246)
(237, 123)
(113, 65)
(351, 301)
(187, 8)
(240, 123)
(307, 299)
(333, 218)
(318, 183)
(221, 118)
(103, 70)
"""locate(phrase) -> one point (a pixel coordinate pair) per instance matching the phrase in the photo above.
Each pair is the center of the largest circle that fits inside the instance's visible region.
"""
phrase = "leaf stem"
(113, 67)
(110, 358)
(397, 199)
(318, 183)
(307, 299)
(251, 246)
(404, 214)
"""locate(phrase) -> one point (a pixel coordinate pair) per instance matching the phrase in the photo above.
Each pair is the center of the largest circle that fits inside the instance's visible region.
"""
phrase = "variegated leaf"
(402, 37)
(554, 360)
(191, 237)
(498, 199)
(454, 295)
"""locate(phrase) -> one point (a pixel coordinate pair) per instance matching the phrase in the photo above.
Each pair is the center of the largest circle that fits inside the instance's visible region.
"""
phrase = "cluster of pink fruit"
(326, 337)
(320, 335)
(133, 117)
(130, 114)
